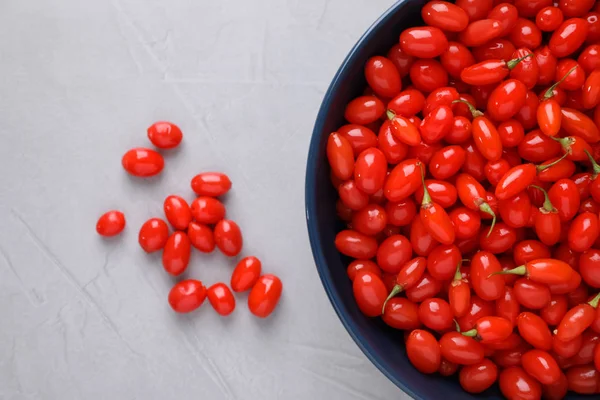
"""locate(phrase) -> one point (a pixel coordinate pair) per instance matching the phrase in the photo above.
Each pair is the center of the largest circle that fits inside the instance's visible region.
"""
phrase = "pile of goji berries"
(473, 214)
(201, 225)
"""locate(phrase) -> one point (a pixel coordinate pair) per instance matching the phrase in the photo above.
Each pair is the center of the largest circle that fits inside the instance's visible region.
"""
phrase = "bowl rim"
(310, 201)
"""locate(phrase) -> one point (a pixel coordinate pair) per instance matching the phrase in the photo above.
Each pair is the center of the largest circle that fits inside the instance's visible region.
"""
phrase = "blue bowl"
(383, 345)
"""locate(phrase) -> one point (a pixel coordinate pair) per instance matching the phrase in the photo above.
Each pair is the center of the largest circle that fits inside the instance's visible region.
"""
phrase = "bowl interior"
(382, 345)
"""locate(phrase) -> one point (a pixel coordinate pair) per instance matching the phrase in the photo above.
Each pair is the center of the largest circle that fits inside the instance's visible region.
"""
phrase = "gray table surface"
(80, 81)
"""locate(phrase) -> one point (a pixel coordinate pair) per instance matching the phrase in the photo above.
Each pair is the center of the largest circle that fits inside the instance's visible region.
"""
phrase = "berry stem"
(548, 206)
(458, 274)
(514, 62)
(594, 302)
(475, 112)
(426, 197)
(470, 333)
(395, 290)
(485, 207)
(543, 167)
(550, 92)
(520, 270)
(594, 164)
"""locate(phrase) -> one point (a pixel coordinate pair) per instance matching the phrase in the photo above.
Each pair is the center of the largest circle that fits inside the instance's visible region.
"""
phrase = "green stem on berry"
(520, 270)
(514, 62)
(543, 167)
(475, 112)
(548, 206)
(550, 92)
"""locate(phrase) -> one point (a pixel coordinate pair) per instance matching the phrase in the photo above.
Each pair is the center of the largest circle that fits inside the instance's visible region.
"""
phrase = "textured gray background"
(80, 80)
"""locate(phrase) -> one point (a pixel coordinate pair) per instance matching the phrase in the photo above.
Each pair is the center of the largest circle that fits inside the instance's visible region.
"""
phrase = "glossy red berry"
(187, 295)
(153, 235)
(143, 162)
(221, 299)
(264, 296)
(111, 223)
(228, 237)
(165, 135)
